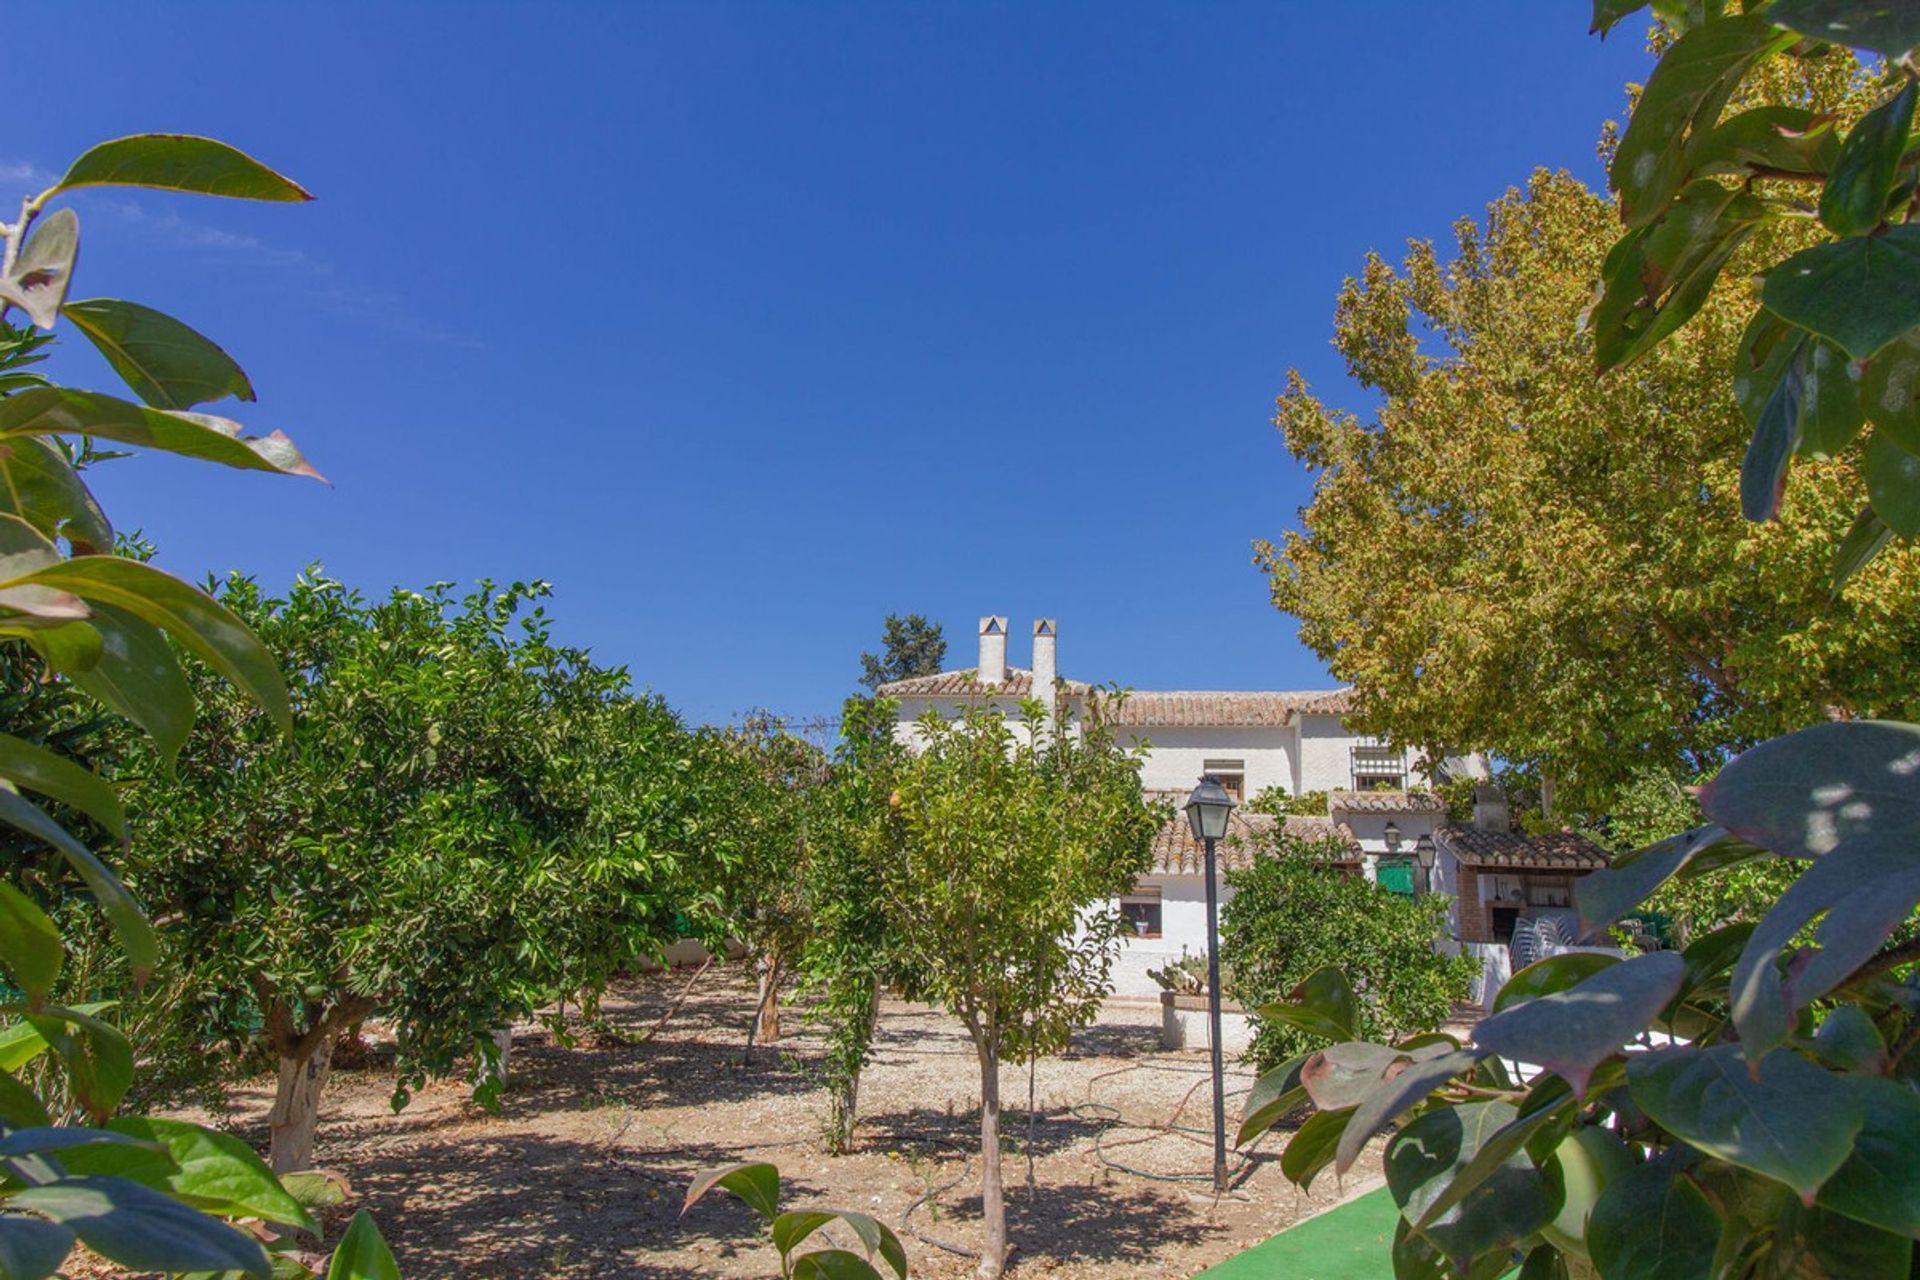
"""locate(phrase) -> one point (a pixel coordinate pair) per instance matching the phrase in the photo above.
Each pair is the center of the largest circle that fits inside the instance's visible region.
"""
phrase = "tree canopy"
(910, 646)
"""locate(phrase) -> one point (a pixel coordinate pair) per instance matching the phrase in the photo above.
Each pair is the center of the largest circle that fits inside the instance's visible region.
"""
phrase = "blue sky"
(746, 324)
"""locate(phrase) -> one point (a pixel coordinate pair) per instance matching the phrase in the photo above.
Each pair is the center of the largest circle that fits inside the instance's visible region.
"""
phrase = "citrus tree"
(151, 1195)
(467, 823)
(1004, 845)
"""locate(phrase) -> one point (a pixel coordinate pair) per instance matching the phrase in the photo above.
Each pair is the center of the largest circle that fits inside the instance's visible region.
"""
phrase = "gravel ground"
(583, 1172)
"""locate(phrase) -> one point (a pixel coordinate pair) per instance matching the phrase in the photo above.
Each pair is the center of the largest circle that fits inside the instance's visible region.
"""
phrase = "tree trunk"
(993, 1204)
(296, 1107)
(767, 1020)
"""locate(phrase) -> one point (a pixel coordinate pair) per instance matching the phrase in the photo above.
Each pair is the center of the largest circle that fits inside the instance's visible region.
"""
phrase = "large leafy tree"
(467, 823)
(909, 646)
(1511, 554)
(1005, 841)
(147, 1194)
(1767, 1130)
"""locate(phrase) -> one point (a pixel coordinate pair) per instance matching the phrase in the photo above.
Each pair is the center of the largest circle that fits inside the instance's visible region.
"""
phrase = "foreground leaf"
(44, 269)
(1340, 1075)
(1795, 1123)
(58, 778)
(127, 1223)
(1866, 539)
(1802, 794)
(206, 627)
(833, 1264)
(67, 411)
(1659, 276)
(138, 676)
(757, 1183)
(1512, 1203)
(1555, 973)
(1397, 1094)
(30, 945)
(122, 910)
(31, 1249)
(1653, 1224)
(1275, 1094)
(1570, 1032)
(179, 162)
(362, 1254)
(1879, 1183)
(168, 364)
(1855, 197)
(40, 486)
(1861, 292)
(1893, 483)
(218, 1172)
(1312, 1147)
(1889, 27)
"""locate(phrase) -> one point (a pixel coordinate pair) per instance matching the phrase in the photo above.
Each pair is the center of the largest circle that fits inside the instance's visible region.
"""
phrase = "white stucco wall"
(1177, 756)
(1183, 922)
(1370, 829)
(1325, 762)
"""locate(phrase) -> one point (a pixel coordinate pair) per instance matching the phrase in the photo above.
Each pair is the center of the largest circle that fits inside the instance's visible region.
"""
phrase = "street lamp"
(1424, 854)
(1393, 836)
(1207, 811)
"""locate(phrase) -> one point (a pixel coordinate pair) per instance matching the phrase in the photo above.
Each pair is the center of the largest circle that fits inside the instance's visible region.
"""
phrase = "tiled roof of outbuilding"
(1385, 802)
(1556, 851)
(1171, 708)
(1177, 853)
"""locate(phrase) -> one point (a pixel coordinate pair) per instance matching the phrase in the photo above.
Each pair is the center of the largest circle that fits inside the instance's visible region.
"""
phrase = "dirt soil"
(583, 1172)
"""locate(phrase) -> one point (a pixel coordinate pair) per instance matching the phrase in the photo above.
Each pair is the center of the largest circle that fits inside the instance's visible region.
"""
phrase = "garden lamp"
(1424, 854)
(1393, 836)
(1207, 811)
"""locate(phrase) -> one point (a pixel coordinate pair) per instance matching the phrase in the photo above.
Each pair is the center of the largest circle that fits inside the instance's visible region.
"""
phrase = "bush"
(1292, 913)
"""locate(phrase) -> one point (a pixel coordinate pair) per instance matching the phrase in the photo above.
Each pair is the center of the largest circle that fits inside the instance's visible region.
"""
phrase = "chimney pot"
(1490, 809)
(993, 651)
(1046, 636)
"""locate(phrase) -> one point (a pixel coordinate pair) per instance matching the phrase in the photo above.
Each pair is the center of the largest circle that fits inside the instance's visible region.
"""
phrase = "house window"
(1549, 891)
(1232, 775)
(1375, 767)
(1140, 913)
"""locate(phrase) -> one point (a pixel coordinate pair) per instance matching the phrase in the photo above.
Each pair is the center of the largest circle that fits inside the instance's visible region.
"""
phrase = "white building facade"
(1251, 741)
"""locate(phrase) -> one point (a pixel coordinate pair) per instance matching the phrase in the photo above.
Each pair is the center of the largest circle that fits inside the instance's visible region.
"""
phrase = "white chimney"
(993, 651)
(1490, 809)
(1045, 637)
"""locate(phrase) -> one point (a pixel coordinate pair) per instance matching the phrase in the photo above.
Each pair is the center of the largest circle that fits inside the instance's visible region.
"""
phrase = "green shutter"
(1395, 875)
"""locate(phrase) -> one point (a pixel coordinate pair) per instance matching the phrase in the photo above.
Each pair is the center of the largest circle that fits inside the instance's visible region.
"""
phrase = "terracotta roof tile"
(1557, 851)
(1177, 853)
(960, 684)
(1385, 802)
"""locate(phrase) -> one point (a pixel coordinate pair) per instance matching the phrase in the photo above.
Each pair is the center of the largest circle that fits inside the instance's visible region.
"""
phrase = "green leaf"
(71, 648)
(1340, 1075)
(1847, 1040)
(1877, 1185)
(1608, 12)
(1794, 1123)
(1890, 391)
(794, 1226)
(1865, 540)
(207, 628)
(168, 365)
(22, 550)
(1813, 1242)
(40, 486)
(1274, 1095)
(58, 778)
(1555, 973)
(179, 162)
(1889, 27)
(122, 909)
(127, 1223)
(44, 268)
(1512, 1203)
(19, 1105)
(1682, 101)
(31, 1249)
(876, 1237)
(138, 676)
(1763, 472)
(218, 1172)
(1767, 140)
(1802, 794)
(1605, 895)
(1855, 198)
(1415, 1258)
(1653, 1224)
(99, 1059)
(1656, 280)
(833, 1264)
(1312, 1147)
(756, 1183)
(67, 411)
(1323, 1005)
(1893, 484)
(1777, 360)
(30, 945)
(1865, 888)
(1570, 1032)
(362, 1254)
(316, 1188)
(1398, 1093)
(1710, 956)
(1861, 292)
(1549, 1106)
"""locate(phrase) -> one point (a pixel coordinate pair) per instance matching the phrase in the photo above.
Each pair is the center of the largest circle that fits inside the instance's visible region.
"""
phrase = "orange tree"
(152, 1195)
(1746, 1107)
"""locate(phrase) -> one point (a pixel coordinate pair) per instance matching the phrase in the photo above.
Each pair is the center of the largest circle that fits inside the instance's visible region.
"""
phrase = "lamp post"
(1424, 853)
(1207, 811)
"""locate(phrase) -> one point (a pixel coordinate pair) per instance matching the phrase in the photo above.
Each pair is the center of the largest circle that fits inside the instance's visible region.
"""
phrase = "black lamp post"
(1207, 810)
(1424, 853)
